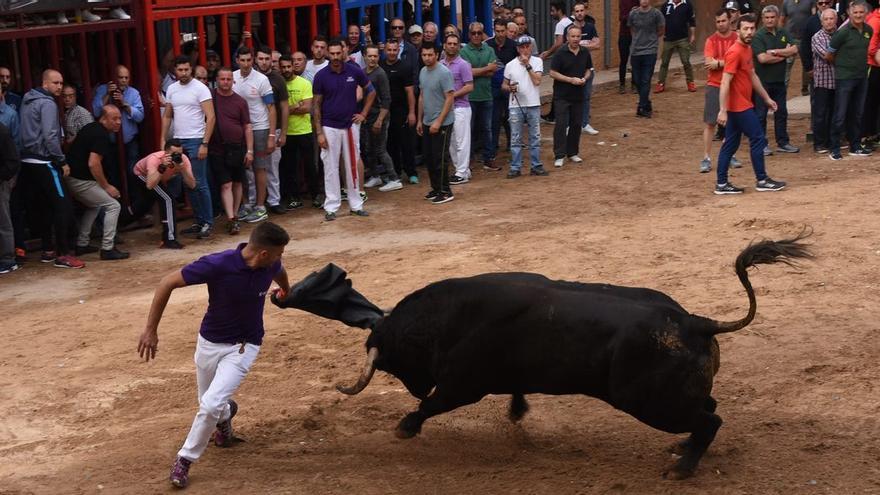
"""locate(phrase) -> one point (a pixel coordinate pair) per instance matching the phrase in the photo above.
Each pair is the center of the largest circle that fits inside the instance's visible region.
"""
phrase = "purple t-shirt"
(340, 94)
(236, 296)
(461, 75)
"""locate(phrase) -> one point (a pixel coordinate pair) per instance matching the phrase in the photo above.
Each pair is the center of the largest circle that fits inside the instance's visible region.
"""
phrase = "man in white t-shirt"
(188, 103)
(254, 87)
(319, 60)
(522, 78)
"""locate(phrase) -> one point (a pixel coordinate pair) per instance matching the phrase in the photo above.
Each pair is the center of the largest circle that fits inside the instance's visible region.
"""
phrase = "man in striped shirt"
(823, 82)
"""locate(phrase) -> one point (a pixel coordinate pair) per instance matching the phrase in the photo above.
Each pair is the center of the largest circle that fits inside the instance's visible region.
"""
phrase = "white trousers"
(342, 149)
(220, 368)
(460, 144)
(273, 196)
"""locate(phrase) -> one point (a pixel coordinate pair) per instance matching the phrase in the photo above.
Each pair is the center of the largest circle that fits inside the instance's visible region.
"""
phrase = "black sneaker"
(835, 155)
(431, 195)
(860, 151)
(294, 204)
(81, 250)
(513, 174)
(113, 254)
(233, 227)
(360, 213)
(820, 149)
(172, 244)
(192, 229)
(278, 209)
(769, 184)
(454, 180)
(205, 232)
(329, 216)
(727, 188)
(318, 201)
(442, 198)
(539, 172)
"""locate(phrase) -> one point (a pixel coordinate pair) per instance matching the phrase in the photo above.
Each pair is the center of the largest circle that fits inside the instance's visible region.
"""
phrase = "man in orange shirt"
(871, 116)
(713, 52)
(738, 113)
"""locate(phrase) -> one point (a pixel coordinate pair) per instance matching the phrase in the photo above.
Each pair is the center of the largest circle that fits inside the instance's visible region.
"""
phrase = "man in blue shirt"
(231, 332)
(128, 99)
(8, 97)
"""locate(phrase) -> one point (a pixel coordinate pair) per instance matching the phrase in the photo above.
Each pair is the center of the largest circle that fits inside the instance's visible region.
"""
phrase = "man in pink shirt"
(155, 171)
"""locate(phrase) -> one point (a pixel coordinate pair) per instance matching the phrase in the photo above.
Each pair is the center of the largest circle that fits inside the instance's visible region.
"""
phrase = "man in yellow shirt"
(297, 161)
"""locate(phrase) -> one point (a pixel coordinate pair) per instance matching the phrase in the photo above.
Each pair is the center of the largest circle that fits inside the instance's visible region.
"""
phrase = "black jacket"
(9, 159)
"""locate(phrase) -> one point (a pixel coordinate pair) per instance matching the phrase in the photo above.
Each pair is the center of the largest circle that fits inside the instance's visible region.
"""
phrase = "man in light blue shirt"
(128, 99)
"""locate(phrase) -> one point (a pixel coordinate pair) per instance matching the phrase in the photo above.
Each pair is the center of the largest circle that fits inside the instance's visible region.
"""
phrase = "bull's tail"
(763, 253)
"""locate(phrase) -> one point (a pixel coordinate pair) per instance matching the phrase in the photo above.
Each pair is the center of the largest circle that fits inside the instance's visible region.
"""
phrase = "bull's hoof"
(404, 434)
(675, 473)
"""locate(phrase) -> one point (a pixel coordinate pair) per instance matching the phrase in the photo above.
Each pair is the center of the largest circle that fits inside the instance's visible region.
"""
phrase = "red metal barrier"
(195, 12)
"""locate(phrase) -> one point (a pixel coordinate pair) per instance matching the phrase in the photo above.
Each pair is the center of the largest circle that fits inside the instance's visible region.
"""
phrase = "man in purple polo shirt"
(335, 110)
(463, 80)
(231, 333)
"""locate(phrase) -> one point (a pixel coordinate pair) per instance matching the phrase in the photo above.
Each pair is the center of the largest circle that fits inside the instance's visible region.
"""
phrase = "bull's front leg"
(704, 429)
(438, 402)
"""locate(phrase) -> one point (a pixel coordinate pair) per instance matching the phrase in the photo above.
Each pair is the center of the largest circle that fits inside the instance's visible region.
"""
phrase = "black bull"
(458, 340)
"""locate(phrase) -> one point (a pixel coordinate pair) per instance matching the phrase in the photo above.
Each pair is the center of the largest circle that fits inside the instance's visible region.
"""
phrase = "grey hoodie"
(41, 128)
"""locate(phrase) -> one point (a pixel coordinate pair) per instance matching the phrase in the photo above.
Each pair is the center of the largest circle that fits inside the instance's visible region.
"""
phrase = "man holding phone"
(154, 172)
(522, 78)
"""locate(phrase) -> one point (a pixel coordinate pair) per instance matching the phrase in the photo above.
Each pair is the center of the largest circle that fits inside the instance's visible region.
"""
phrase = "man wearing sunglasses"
(484, 63)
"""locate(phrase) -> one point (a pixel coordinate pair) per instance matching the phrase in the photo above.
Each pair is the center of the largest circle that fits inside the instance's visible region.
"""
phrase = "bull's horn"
(365, 377)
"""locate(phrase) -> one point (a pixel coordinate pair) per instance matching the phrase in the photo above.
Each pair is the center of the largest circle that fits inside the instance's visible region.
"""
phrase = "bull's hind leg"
(705, 427)
(518, 407)
(683, 446)
(438, 402)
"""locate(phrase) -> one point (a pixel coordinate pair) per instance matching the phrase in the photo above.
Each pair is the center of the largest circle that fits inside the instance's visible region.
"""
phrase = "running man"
(738, 112)
(231, 333)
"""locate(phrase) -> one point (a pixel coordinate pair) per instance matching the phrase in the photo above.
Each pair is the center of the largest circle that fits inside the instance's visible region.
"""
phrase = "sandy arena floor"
(797, 389)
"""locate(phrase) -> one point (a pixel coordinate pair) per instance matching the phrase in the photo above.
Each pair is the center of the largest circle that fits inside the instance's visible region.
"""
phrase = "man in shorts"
(713, 52)
(231, 332)
(232, 146)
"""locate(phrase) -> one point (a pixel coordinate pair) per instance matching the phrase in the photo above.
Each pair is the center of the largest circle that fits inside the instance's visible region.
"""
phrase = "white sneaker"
(62, 19)
(120, 14)
(373, 181)
(88, 16)
(558, 162)
(392, 185)
(576, 159)
(589, 130)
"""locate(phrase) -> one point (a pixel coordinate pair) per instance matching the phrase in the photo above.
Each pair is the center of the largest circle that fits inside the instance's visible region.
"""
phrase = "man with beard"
(737, 111)
(463, 80)
(297, 155)
(403, 110)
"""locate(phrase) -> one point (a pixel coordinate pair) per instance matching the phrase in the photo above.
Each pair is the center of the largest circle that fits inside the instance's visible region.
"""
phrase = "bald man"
(42, 165)
(88, 184)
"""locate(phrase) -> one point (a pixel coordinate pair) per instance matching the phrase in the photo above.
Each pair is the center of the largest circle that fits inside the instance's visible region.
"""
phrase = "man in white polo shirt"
(254, 87)
(188, 103)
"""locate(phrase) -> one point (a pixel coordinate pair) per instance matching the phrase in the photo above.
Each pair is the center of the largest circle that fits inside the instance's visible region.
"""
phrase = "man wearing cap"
(522, 79)
(772, 45)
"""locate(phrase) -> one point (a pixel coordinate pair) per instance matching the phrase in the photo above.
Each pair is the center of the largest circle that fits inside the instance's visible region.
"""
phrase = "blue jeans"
(201, 195)
(849, 104)
(776, 91)
(588, 93)
(500, 100)
(481, 128)
(642, 71)
(739, 123)
(530, 116)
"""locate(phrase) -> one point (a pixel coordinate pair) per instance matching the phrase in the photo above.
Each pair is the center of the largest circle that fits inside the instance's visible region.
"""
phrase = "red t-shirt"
(873, 20)
(738, 61)
(716, 46)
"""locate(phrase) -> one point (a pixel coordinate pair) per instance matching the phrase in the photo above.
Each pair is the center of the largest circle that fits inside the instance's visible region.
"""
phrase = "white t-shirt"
(561, 25)
(257, 92)
(527, 93)
(186, 101)
(312, 69)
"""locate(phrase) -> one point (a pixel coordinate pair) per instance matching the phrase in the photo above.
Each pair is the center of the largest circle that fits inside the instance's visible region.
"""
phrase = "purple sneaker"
(223, 435)
(180, 472)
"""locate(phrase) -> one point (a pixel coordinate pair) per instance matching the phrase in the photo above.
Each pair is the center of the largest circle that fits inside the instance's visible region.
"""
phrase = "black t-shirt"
(93, 138)
(568, 64)
(399, 77)
(279, 94)
(588, 32)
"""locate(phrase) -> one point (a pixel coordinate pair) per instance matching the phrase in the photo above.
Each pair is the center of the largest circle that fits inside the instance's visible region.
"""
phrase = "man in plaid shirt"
(823, 82)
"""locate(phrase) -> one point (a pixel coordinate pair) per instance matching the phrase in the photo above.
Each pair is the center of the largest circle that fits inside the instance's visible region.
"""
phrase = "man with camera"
(522, 79)
(118, 92)
(153, 172)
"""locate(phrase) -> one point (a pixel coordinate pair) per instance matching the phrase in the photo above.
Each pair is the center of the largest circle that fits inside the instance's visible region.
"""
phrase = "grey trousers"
(7, 239)
(94, 198)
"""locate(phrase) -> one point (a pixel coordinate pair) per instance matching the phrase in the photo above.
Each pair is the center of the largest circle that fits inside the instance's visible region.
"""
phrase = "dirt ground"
(797, 388)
